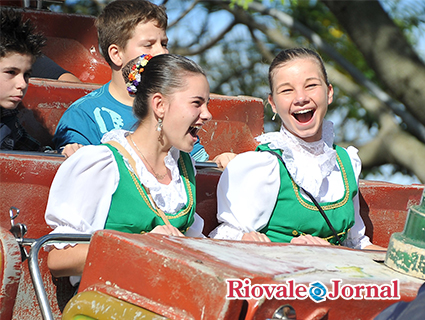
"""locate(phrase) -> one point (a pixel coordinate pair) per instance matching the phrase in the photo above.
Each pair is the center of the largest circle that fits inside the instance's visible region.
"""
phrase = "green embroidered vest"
(132, 212)
(294, 215)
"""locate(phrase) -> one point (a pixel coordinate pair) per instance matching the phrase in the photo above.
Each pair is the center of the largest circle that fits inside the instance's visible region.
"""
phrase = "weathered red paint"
(72, 43)
(179, 278)
(384, 207)
(10, 272)
(184, 278)
(45, 103)
(25, 180)
(24, 183)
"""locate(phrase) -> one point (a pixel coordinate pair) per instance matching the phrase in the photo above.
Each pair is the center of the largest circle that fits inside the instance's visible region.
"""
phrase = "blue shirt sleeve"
(198, 153)
(78, 123)
(75, 126)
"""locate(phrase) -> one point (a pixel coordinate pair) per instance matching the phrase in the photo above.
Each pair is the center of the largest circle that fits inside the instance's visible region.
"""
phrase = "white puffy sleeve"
(246, 194)
(196, 228)
(356, 237)
(81, 192)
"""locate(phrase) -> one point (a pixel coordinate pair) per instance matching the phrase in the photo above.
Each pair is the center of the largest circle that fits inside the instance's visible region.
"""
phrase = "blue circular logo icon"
(317, 291)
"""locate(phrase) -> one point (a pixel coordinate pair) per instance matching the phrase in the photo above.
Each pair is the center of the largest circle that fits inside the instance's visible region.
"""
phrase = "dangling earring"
(274, 116)
(159, 128)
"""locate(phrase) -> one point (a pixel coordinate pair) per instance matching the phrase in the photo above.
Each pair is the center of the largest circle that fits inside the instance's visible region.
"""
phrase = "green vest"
(293, 215)
(132, 212)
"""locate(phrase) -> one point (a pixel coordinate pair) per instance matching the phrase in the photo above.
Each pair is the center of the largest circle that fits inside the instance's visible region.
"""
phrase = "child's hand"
(70, 149)
(309, 239)
(168, 230)
(255, 236)
(223, 159)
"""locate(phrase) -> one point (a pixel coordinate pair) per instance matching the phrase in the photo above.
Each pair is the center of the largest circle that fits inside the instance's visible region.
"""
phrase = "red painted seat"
(25, 178)
(10, 272)
(75, 49)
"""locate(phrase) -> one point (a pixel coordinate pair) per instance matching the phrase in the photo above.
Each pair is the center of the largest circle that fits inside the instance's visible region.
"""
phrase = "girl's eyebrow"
(283, 84)
(288, 84)
(312, 78)
(200, 98)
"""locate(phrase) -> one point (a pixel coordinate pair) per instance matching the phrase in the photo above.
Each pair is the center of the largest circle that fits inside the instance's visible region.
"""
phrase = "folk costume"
(103, 176)
(263, 190)
(108, 194)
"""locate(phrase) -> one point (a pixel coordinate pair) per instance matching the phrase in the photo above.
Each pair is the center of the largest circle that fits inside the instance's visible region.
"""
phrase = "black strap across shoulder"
(322, 212)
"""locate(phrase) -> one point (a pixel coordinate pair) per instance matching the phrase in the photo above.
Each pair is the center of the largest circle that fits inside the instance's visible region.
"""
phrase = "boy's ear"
(158, 105)
(114, 53)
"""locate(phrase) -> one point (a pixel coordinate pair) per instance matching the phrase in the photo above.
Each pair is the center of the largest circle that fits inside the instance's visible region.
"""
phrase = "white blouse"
(249, 186)
(81, 192)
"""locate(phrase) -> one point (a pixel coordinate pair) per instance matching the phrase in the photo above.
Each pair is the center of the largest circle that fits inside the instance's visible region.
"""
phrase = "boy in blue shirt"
(110, 107)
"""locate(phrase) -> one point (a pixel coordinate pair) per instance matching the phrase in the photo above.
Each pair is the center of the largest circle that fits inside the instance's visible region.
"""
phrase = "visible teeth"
(303, 111)
(193, 130)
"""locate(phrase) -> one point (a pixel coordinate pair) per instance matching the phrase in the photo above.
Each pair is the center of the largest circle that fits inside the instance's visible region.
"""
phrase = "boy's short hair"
(18, 36)
(116, 23)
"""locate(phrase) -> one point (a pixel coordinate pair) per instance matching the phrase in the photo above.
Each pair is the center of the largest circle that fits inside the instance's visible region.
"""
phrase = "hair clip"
(134, 77)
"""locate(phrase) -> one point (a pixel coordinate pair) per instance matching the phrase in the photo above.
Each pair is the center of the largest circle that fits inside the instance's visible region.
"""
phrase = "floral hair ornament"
(134, 77)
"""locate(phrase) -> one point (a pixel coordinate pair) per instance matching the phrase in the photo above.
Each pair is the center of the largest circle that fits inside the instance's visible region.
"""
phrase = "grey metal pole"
(36, 245)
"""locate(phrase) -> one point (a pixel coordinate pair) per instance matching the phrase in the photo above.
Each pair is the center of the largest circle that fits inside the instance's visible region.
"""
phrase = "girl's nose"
(301, 98)
(205, 114)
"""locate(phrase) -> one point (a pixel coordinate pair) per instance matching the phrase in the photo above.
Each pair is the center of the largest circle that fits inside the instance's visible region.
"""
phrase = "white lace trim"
(308, 163)
(170, 198)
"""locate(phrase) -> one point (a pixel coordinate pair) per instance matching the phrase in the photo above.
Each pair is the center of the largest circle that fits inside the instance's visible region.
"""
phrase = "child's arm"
(223, 159)
(68, 261)
(168, 230)
(70, 149)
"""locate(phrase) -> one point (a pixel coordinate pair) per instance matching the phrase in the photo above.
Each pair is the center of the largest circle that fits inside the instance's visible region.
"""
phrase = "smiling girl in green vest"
(269, 195)
(141, 181)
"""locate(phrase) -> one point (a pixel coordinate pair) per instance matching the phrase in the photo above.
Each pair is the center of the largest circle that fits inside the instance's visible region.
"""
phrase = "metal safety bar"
(36, 245)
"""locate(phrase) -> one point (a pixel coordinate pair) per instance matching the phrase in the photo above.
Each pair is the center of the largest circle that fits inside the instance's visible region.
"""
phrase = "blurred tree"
(86, 7)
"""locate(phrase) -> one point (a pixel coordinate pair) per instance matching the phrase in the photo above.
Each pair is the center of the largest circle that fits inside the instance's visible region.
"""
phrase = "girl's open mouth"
(193, 130)
(304, 116)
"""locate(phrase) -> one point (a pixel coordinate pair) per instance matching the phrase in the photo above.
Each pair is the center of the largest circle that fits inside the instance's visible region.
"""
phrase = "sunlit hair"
(289, 55)
(116, 23)
(164, 74)
(18, 36)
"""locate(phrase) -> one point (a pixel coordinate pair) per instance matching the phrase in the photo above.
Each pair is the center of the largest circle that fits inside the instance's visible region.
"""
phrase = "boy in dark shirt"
(19, 47)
